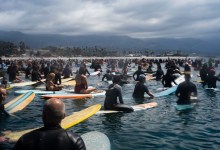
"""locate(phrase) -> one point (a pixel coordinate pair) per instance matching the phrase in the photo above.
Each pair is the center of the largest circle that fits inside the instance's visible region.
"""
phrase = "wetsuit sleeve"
(177, 91)
(120, 95)
(134, 75)
(87, 71)
(78, 143)
(195, 90)
(103, 77)
(18, 145)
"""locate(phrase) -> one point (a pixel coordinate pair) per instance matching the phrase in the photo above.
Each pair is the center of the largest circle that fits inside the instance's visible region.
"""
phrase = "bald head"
(53, 112)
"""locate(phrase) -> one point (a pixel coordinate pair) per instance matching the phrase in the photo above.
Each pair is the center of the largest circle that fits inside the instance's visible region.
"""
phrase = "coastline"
(81, 58)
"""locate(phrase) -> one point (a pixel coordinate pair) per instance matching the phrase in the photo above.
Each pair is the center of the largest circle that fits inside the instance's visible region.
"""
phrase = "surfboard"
(19, 102)
(94, 73)
(179, 80)
(135, 107)
(171, 89)
(66, 123)
(95, 140)
(70, 83)
(166, 92)
(213, 89)
(199, 81)
(150, 77)
(22, 84)
(184, 107)
(66, 80)
(74, 95)
(39, 92)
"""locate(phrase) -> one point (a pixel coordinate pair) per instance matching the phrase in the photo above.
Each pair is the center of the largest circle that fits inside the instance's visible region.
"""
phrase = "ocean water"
(161, 127)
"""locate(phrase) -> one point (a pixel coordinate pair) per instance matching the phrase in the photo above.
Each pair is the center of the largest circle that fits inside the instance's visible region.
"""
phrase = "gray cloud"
(135, 18)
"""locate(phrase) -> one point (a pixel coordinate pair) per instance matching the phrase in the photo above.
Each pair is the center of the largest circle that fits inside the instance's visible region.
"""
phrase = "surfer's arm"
(134, 75)
(150, 94)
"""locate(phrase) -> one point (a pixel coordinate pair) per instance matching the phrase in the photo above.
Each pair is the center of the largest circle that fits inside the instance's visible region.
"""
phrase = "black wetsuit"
(168, 80)
(27, 72)
(138, 73)
(139, 90)
(50, 138)
(12, 73)
(97, 67)
(185, 89)
(203, 75)
(57, 79)
(67, 72)
(114, 92)
(35, 76)
(108, 76)
(159, 74)
(211, 81)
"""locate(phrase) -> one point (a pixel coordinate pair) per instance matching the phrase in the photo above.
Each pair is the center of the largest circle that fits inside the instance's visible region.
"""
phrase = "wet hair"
(116, 79)
(108, 71)
(139, 67)
(187, 67)
(142, 78)
(51, 76)
(212, 72)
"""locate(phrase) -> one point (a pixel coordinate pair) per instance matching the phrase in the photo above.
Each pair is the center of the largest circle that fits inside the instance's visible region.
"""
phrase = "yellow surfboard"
(19, 102)
(69, 83)
(66, 123)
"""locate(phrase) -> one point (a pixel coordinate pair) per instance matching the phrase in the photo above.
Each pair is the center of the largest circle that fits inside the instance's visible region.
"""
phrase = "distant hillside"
(200, 46)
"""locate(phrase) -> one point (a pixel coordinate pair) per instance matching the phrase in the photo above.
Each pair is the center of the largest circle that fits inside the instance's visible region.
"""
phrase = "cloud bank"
(134, 18)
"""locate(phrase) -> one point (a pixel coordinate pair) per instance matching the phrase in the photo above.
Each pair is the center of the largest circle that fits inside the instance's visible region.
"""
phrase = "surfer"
(50, 86)
(212, 79)
(140, 89)
(81, 86)
(168, 78)
(185, 90)
(35, 75)
(114, 93)
(138, 73)
(204, 74)
(52, 135)
(2, 98)
(67, 71)
(108, 76)
(159, 73)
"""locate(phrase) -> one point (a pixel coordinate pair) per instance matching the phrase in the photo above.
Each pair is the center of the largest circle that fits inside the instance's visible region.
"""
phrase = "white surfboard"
(94, 73)
(135, 107)
(96, 141)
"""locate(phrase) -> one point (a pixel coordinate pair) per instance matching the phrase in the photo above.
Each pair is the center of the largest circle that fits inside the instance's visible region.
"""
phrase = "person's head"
(53, 112)
(82, 70)
(3, 93)
(108, 71)
(116, 79)
(139, 67)
(211, 72)
(51, 76)
(187, 67)
(142, 78)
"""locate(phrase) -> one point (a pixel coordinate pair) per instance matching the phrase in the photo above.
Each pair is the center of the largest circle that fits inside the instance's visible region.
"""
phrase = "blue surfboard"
(96, 141)
(166, 92)
(184, 107)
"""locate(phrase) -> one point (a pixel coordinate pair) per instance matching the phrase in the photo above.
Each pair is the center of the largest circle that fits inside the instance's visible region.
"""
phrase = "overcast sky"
(134, 18)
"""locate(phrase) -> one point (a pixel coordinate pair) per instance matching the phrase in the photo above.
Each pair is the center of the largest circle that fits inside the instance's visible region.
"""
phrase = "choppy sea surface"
(161, 127)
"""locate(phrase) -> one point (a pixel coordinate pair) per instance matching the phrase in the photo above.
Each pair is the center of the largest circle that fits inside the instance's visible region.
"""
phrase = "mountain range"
(202, 46)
